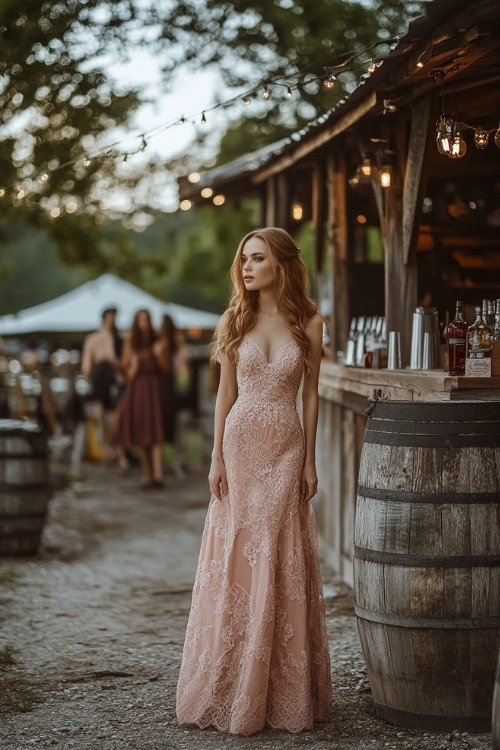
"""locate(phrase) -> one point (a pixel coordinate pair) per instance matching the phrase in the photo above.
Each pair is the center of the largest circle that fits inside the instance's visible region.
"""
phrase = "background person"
(171, 347)
(140, 420)
(101, 353)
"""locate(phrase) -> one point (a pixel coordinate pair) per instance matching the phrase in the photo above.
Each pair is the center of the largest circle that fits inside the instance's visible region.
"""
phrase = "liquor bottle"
(456, 333)
(490, 316)
(480, 337)
(495, 349)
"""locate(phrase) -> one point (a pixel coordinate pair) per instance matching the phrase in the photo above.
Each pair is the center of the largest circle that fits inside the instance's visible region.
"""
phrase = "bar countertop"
(337, 382)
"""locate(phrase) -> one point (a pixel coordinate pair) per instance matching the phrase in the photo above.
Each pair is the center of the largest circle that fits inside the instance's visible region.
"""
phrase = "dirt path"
(91, 632)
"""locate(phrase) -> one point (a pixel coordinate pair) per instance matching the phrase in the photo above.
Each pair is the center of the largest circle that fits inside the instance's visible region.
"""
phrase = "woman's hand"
(133, 365)
(217, 478)
(308, 482)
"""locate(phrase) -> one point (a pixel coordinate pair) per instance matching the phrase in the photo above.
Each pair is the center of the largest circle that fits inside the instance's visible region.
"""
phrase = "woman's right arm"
(128, 362)
(226, 396)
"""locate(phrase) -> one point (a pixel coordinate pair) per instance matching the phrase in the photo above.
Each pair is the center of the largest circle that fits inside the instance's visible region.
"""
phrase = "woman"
(175, 378)
(256, 650)
(141, 416)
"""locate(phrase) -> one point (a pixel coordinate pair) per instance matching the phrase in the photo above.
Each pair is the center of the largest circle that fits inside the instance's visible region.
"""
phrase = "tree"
(58, 108)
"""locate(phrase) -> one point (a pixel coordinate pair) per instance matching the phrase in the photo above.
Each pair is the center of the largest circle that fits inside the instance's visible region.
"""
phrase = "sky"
(189, 95)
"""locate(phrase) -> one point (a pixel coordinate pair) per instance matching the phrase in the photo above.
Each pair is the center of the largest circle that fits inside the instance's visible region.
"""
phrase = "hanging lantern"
(444, 134)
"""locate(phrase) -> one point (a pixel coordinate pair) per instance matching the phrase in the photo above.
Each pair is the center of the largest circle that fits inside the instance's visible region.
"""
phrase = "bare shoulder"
(314, 328)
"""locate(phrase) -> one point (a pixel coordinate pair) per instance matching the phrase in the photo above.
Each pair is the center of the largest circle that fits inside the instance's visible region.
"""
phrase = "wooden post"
(319, 217)
(337, 235)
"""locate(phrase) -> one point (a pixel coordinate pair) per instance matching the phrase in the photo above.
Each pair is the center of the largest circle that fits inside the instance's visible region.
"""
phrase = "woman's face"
(143, 321)
(256, 266)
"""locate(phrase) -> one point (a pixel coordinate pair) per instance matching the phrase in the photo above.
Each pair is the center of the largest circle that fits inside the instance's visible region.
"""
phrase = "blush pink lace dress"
(256, 650)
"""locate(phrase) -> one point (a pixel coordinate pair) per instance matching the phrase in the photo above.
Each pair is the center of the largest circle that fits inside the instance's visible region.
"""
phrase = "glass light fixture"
(366, 167)
(497, 137)
(458, 145)
(444, 134)
(385, 177)
(481, 137)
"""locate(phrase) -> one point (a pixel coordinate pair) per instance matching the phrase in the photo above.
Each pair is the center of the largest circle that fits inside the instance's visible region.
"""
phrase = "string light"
(497, 137)
(328, 82)
(203, 119)
(458, 145)
(481, 137)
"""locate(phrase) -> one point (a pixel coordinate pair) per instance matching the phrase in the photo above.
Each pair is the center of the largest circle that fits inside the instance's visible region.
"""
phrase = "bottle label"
(456, 342)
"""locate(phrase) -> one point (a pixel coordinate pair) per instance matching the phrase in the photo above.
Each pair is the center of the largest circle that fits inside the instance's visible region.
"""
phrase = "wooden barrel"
(495, 718)
(427, 561)
(24, 485)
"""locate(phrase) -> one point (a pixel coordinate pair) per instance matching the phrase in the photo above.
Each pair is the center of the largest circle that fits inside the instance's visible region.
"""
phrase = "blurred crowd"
(120, 397)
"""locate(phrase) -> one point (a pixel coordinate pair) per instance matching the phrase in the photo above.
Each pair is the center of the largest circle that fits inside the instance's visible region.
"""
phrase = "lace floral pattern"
(256, 650)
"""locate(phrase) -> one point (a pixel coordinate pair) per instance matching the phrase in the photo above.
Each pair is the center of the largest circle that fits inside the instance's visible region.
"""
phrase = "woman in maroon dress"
(142, 409)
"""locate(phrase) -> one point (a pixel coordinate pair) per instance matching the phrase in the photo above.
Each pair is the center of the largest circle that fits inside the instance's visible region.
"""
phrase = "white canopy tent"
(81, 309)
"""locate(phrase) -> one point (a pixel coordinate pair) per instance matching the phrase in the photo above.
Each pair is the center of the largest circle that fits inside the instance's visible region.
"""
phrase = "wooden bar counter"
(344, 393)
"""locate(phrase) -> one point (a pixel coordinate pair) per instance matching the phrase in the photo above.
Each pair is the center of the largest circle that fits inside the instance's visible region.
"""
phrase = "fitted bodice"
(261, 381)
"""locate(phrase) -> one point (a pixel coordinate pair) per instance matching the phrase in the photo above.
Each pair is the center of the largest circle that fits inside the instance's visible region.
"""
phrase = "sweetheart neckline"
(278, 352)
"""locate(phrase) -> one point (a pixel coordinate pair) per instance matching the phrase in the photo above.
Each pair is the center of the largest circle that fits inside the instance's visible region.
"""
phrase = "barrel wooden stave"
(427, 581)
(495, 717)
(24, 486)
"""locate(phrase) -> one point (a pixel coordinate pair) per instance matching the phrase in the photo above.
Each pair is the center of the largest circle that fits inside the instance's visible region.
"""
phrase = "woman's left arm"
(309, 480)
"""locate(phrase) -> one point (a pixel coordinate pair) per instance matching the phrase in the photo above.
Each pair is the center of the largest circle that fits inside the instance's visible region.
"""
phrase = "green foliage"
(6, 656)
(57, 106)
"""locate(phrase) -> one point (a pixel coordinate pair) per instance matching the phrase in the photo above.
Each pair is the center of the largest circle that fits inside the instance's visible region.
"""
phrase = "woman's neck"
(267, 304)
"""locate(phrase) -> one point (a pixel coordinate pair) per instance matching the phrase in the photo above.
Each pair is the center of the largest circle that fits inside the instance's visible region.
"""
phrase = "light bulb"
(143, 144)
(497, 138)
(265, 93)
(444, 134)
(458, 145)
(246, 101)
(329, 82)
(385, 177)
(289, 92)
(203, 119)
(481, 137)
(366, 167)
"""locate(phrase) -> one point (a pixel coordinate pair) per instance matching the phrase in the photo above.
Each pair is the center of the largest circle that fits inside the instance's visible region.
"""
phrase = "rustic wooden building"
(431, 231)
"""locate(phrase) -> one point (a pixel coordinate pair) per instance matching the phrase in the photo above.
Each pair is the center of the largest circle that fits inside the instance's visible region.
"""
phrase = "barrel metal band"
(429, 623)
(425, 440)
(426, 561)
(21, 516)
(432, 722)
(434, 498)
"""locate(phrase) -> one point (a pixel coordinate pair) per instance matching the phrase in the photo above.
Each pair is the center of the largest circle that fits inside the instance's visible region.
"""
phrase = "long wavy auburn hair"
(291, 291)
(139, 340)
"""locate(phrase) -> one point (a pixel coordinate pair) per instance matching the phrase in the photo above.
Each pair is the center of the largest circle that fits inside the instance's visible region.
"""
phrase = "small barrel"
(24, 485)
(427, 561)
(495, 717)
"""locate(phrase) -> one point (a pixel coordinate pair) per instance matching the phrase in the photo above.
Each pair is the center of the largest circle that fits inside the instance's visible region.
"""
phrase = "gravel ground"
(92, 631)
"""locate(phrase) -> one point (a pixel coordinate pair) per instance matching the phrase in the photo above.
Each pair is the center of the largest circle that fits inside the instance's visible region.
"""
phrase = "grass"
(9, 578)
(6, 656)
